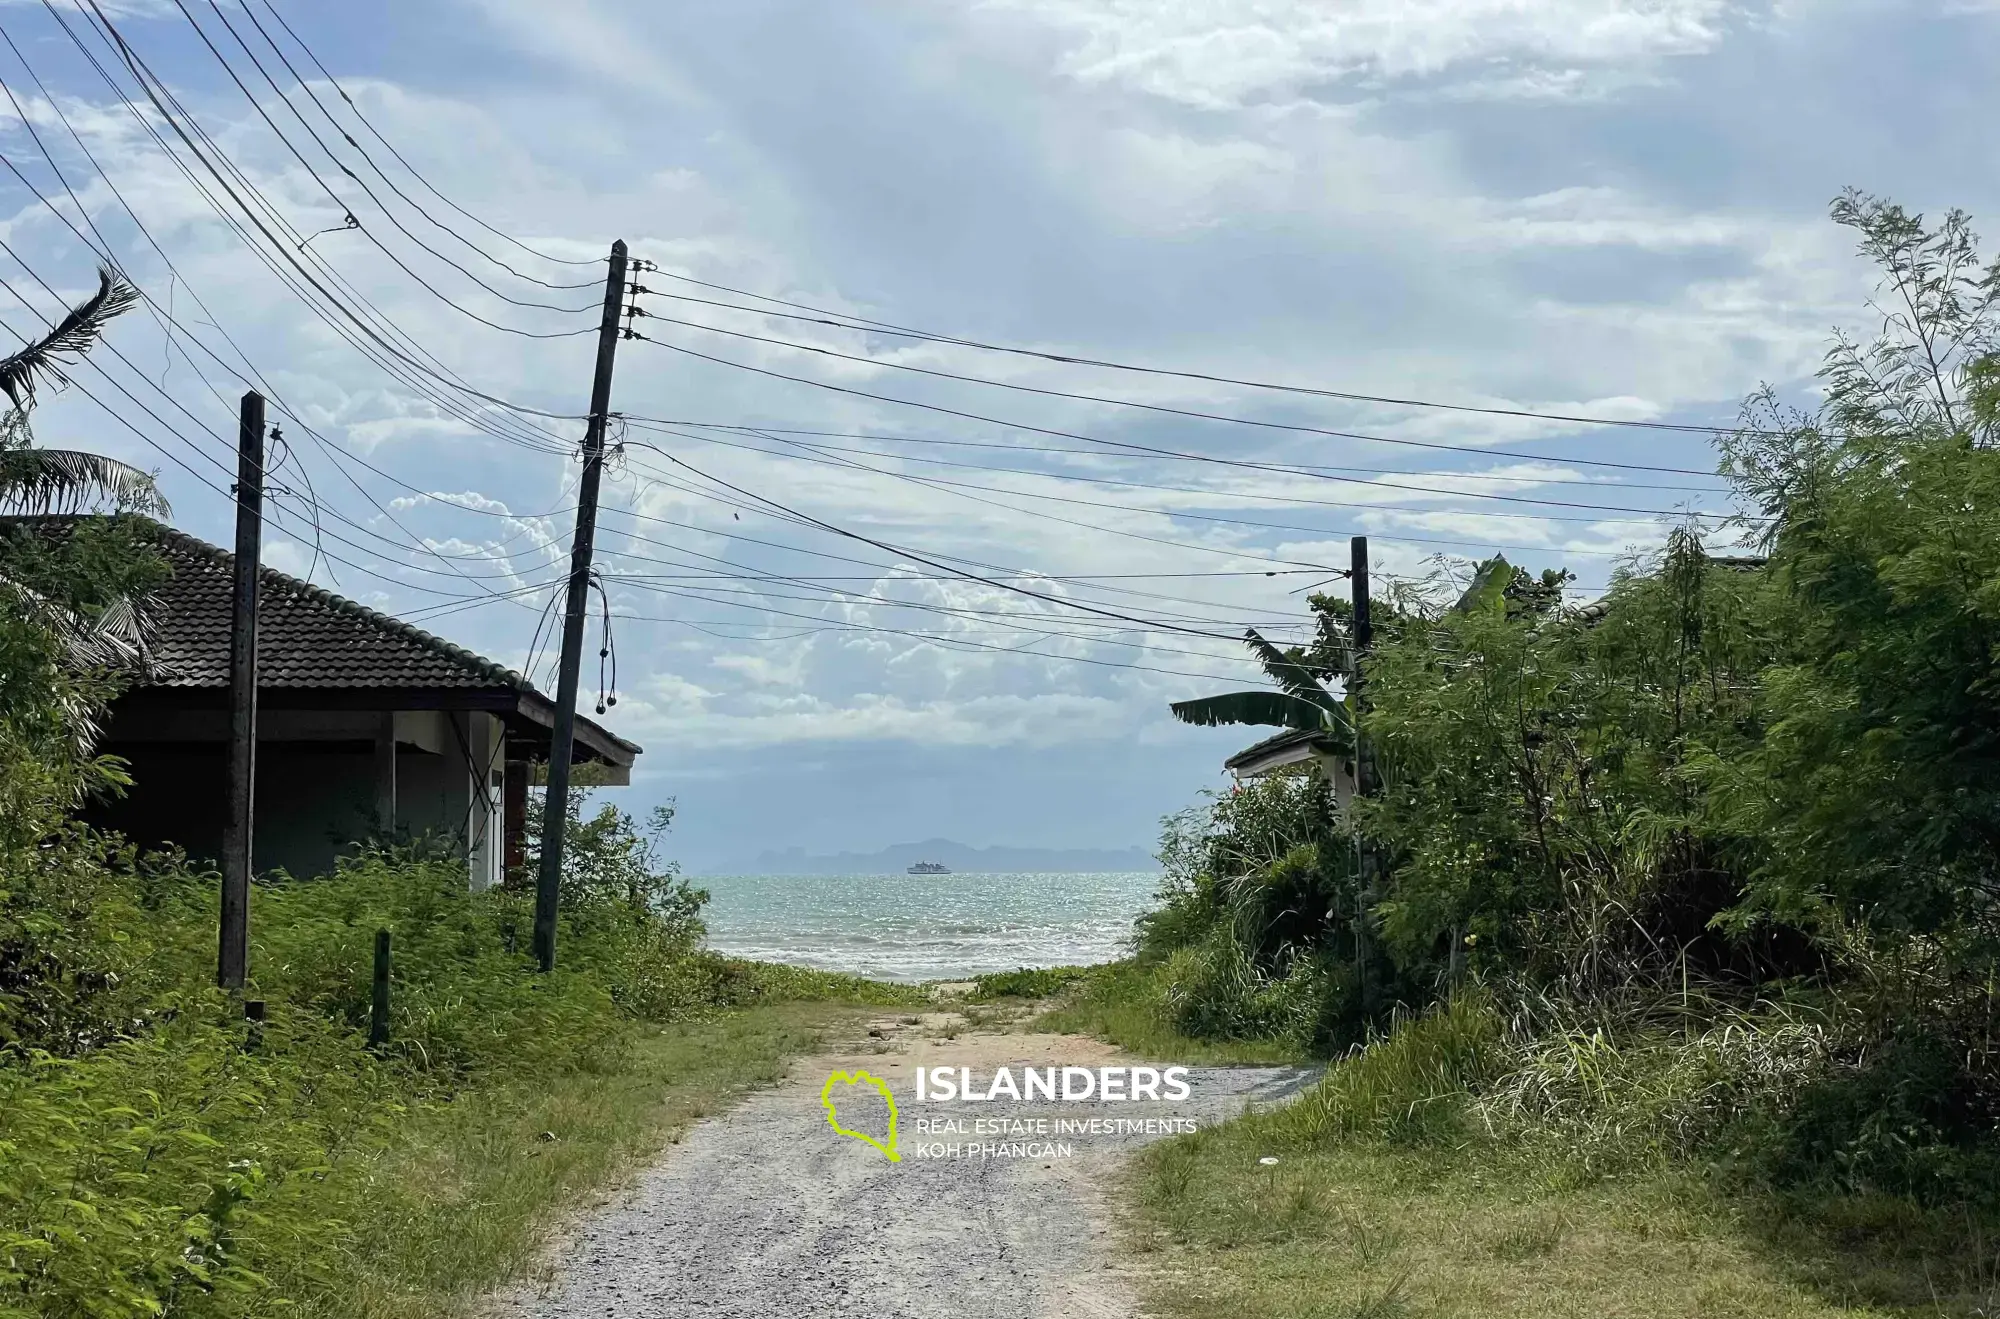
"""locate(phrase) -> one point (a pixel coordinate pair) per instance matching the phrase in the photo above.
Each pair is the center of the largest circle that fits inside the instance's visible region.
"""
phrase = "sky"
(845, 621)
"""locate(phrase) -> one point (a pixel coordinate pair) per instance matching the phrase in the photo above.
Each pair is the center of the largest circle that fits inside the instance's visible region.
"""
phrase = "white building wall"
(485, 826)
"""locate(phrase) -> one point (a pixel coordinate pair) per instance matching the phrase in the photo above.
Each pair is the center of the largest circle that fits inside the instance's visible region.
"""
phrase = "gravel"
(766, 1213)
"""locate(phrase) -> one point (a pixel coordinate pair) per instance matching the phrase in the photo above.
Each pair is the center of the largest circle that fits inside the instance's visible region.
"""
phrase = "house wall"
(319, 795)
(314, 801)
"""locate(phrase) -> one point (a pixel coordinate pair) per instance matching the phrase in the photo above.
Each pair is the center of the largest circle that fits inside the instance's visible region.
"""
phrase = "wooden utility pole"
(555, 809)
(233, 945)
(1364, 782)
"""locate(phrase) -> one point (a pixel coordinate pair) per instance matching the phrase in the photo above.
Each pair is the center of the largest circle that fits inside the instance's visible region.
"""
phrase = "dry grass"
(1345, 1230)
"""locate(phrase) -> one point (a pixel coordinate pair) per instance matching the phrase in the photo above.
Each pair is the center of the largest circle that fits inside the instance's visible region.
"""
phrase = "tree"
(71, 594)
(1873, 796)
(36, 481)
(612, 862)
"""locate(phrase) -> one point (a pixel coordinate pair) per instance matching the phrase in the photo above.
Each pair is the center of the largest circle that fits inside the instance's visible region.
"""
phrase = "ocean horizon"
(927, 927)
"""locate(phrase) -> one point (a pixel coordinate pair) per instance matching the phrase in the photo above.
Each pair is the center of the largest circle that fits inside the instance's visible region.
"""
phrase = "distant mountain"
(961, 858)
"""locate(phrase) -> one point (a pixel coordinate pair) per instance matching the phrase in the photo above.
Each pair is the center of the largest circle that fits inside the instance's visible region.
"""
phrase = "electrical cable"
(863, 324)
(414, 173)
(1092, 439)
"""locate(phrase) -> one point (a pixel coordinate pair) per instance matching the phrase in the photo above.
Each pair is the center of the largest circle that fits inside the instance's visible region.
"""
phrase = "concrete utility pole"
(555, 810)
(233, 945)
(1364, 780)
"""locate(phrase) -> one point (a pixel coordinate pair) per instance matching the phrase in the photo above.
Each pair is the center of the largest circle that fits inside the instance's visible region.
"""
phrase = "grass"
(1393, 1191)
(161, 1157)
(1122, 1002)
(472, 1190)
(1030, 982)
(1364, 1228)
(744, 982)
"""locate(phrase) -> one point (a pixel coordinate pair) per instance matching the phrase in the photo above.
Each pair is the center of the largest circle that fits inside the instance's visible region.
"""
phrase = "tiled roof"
(1282, 741)
(307, 637)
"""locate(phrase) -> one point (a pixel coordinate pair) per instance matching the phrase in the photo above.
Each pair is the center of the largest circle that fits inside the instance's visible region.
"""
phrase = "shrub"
(1028, 982)
(1414, 1083)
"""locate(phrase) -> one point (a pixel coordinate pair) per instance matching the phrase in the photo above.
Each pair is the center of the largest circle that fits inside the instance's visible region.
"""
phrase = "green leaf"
(1272, 709)
(1488, 592)
(1287, 672)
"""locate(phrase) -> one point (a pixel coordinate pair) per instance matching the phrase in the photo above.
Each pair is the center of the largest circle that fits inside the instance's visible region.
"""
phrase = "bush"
(160, 1155)
(1906, 1120)
(1028, 982)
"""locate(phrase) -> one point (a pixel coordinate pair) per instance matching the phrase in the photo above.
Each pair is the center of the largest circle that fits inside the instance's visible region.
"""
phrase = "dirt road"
(766, 1213)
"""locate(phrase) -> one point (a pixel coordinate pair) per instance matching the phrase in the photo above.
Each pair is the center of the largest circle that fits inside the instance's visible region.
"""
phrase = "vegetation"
(1685, 905)
(162, 1155)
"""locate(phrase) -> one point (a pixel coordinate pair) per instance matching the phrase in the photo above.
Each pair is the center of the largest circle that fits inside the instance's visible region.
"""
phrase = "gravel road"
(766, 1213)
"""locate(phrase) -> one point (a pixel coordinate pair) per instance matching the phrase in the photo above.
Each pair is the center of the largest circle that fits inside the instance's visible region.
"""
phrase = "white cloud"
(1221, 54)
(1268, 189)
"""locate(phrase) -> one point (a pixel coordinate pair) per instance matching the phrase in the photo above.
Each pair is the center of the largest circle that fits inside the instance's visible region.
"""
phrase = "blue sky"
(1607, 207)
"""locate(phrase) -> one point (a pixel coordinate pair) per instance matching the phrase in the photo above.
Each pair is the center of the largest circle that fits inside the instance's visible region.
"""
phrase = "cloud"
(1227, 54)
(1600, 207)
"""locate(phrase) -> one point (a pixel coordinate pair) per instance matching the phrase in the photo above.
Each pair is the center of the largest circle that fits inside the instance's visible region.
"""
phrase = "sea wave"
(927, 927)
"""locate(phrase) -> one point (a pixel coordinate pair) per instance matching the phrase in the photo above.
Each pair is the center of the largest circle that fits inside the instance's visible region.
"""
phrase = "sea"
(926, 927)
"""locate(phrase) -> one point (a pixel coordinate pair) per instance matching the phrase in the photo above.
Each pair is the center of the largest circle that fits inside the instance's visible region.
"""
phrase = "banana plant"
(1302, 700)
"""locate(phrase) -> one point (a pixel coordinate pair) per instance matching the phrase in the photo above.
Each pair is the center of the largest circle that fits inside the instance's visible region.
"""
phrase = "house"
(1298, 746)
(368, 727)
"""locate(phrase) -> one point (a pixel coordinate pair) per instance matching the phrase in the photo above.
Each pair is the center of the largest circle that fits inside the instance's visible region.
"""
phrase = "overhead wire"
(965, 489)
(841, 320)
(105, 253)
(183, 123)
(388, 214)
(1161, 408)
(1120, 444)
(959, 575)
(1293, 468)
(413, 171)
(250, 12)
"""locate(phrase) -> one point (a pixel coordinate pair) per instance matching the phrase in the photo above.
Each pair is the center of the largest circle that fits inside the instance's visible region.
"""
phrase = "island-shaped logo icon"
(852, 1081)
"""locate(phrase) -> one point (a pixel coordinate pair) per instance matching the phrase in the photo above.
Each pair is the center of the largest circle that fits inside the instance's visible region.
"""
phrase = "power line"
(1296, 469)
(962, 486)
(108, 256)
(362, 184)
(1122, 444)
(839, 320)
(383, 175)
(181, 122)
(775, 437)
(413, 171)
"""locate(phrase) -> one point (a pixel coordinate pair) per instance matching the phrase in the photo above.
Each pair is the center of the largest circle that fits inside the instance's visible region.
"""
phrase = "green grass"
(1364, 1228)
(1028, 982)
(739, 982)
(1448, 1170)
(1123, 1002)
(464, 1198)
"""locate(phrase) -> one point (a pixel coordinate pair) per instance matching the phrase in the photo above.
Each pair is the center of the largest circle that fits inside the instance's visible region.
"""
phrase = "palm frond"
(118, 637)
(1272, 709)
(70, 339)
(65, 480)
(1287, 672)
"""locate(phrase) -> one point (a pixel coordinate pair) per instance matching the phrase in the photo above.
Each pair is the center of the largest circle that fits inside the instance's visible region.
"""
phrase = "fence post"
(378, 1014)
